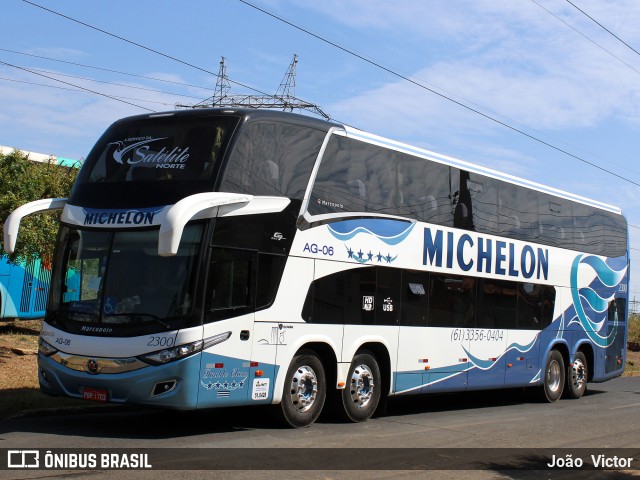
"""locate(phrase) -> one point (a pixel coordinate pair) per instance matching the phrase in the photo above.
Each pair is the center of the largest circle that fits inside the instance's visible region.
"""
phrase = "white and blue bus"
(215, 258)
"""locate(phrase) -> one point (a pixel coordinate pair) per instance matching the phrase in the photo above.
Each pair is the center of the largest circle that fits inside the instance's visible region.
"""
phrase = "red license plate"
(95, 394)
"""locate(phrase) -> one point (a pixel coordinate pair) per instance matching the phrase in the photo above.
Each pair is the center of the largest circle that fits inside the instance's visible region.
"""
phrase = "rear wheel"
(577, 376)
(554, 375)
(304, 390)
(361, 395)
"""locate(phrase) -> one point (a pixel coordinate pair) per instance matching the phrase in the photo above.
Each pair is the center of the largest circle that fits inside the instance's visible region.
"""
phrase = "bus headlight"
(181, 351)
(45, 348)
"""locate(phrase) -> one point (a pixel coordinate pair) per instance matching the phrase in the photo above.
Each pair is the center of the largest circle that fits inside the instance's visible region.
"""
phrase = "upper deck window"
(272, 158)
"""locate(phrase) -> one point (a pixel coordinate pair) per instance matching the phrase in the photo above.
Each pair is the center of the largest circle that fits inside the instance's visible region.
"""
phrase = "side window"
(273, 159)
(484, 202)
(497, 300)
(615, 231)
(387, 296)
(270, 268)
(617, 310)
(426, 190)
(346, 297)
(230, 290)
(556, 221)
(588, 229)
(452, 301)
(359, 296)
(535, 306)
(415, 298)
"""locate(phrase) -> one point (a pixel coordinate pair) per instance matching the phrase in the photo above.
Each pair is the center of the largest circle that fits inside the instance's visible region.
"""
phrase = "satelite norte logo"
(23, 459)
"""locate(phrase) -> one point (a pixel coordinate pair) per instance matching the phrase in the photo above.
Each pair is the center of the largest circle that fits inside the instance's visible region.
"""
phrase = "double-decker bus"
(229, 257)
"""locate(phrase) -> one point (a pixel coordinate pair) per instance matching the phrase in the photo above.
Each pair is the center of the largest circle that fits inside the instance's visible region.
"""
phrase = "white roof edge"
(440, 158)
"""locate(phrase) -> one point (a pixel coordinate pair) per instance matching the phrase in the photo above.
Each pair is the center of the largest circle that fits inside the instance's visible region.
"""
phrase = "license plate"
(95, 394)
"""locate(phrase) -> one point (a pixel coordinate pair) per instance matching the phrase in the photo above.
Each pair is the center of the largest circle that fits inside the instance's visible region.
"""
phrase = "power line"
(376, 64)
(120, 38)
(80, 91)
(105, 69)
(140, 45)
(602, 26)
(421, 85)
(586, 37)
(76, 86)
(115, 83)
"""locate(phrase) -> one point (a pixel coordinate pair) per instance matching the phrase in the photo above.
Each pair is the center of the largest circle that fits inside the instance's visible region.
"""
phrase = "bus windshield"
(118, 278)
(178, 158)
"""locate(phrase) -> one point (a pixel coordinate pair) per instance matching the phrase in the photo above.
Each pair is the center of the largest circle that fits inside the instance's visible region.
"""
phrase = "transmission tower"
(284, 98)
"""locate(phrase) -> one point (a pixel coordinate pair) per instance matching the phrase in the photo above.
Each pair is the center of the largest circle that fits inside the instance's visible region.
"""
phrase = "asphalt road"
(608, 416)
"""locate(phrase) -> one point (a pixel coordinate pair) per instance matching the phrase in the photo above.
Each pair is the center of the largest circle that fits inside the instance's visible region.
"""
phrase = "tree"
(22, 181)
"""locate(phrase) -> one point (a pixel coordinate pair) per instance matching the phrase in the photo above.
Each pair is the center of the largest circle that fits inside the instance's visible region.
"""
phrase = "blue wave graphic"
(390, 232)
(596, 302)
(607, 276)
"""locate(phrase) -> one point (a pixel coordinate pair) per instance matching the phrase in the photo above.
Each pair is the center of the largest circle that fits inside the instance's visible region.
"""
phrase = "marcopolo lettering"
(484, 255)
(118, 217)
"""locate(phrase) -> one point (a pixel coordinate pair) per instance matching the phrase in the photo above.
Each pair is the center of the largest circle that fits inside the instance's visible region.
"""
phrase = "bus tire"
(577, 376)
(554, 377)
(304, 390)
(361, 395)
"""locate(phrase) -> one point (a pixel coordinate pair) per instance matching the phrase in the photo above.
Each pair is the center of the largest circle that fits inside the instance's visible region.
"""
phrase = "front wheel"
(304, 390)
(577, 376)
(361, 395)
(554, 375)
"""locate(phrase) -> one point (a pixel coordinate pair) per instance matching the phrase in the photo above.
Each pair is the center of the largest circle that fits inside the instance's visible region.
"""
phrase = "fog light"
(164, 387)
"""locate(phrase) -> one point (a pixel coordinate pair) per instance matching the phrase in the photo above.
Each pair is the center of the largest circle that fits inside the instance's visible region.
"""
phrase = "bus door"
(239, 281)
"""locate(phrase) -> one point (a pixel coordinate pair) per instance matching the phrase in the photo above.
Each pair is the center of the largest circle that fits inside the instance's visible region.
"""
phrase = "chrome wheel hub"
(553, 376)
(304, 388)
(361, 386)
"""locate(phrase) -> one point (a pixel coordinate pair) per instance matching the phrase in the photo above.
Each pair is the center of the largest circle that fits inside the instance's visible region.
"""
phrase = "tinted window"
(361, 296)
(588, 232)
(427, 190)
(556, 221)
(355, 177)
(482, 193)
(615, 231)
(518, 212)
(230, 290)
(155, 161)
(270, 268)
(535, 306)
(452, 301)
(497, 300)
(415, 298)
(272, 159)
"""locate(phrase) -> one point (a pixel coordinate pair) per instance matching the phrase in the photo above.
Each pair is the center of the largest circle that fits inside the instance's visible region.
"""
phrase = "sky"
(532, 88)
